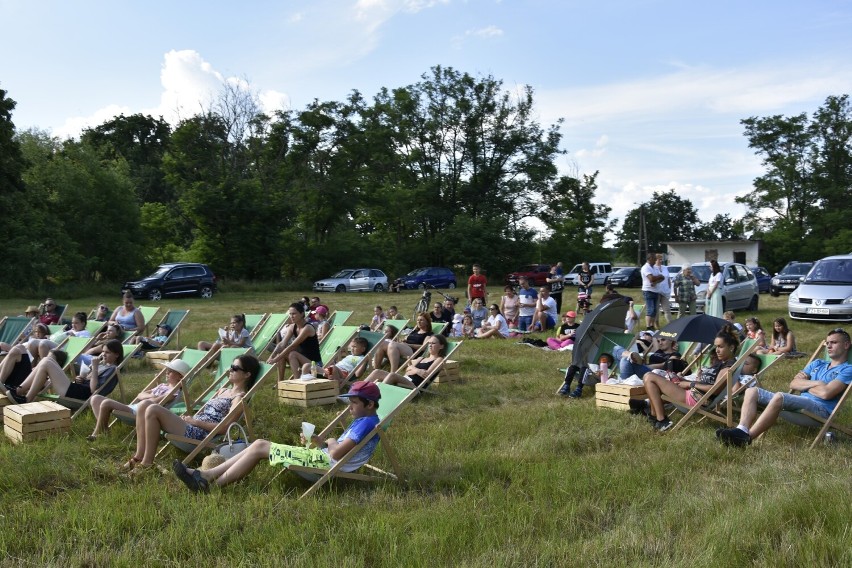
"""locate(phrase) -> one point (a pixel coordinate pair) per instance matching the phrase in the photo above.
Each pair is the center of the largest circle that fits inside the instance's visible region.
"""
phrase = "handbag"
(230, 447)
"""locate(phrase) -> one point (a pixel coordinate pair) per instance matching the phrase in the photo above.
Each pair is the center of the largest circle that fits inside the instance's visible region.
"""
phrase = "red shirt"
(49, 319)
(477, 286)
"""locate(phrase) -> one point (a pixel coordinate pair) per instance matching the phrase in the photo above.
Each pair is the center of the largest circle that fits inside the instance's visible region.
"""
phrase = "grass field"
(499, 472)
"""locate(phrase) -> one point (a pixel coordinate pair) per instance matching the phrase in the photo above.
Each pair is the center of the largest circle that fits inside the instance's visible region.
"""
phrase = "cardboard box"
(314, 392)
(35, 420)
(617, 396)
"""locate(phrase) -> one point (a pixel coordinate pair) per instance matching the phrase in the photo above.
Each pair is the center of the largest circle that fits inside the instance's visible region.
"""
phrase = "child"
(378, 319)
(457, 325)
(321, 322)
(751, 367)
(363, 403)
(565, 334)
(157, 341)
(729, 317)
(350, 366)
(755, 331)
(468, 327)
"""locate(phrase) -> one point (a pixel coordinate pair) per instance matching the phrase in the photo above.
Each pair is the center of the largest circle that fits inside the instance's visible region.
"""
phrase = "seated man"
(821, 384)
(545, 314)
(363, 403)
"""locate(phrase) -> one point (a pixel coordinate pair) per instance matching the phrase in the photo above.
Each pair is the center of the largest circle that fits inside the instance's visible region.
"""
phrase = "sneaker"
(15, 397)
(639, 406)
(733, 437)
(576, 393)
(663, 425)
(564, 389)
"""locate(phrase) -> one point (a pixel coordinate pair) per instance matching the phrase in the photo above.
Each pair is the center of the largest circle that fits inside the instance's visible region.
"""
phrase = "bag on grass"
(231, 447)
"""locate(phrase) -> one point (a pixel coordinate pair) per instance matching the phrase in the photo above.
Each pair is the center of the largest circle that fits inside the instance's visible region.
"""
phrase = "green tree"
(668, 217)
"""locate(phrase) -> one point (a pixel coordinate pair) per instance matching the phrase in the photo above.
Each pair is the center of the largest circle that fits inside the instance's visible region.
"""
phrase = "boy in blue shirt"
(363, 403)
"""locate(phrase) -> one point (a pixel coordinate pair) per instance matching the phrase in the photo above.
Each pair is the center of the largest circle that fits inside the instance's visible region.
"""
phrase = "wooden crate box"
(314, 392)
(617, 396)
(35, 420)
(160, 358)
(449, 373)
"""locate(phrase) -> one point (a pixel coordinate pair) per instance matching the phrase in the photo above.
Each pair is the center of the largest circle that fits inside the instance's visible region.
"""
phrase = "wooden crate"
(35, 420)
(160, 358)
(4, 402)
(449, 374)
(617, 396)
(314, 392)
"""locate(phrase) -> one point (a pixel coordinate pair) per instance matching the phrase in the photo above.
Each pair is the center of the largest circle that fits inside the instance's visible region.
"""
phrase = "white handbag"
(231, 447)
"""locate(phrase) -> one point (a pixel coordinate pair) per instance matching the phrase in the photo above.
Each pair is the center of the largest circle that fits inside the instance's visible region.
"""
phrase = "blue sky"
(652, 91)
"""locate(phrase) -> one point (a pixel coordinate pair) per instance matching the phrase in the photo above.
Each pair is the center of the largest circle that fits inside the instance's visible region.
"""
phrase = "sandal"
(129, 464)
(91, 437)
(193, 480)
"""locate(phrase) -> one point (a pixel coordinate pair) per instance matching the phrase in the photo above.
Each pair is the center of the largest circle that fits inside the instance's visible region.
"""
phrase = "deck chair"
(174, 319)
(195, 358)
(105, 389)
(60, 311)
(253, 321)
(452, 347)
(224, 357)
(336, 340)
(148, 313)
(808, 420)
(74, 346)
(266, 332)
(241, 410)
(94, 313)
(394, 400)
(339, 317)
(708, 404)
(95, 327)
(12, 328)
(439, 327)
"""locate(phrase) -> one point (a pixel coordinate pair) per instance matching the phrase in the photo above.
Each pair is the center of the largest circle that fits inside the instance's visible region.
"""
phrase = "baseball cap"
(364, 389)
(167, 327)
(571, 314)
(178, 365)
(321, 310)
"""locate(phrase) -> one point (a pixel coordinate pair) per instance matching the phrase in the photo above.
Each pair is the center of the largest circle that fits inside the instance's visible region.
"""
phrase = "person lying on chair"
(821, 384)
(363, 403)
(419, 369)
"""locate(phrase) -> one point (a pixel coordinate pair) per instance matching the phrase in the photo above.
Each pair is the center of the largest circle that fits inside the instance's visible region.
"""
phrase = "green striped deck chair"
(335, 340)
(253, 321)
(339, 317)
(148, 314)
(266, 332)
(174, 319)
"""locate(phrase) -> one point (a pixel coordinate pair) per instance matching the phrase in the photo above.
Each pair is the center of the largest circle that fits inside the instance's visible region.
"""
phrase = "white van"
(600, 270)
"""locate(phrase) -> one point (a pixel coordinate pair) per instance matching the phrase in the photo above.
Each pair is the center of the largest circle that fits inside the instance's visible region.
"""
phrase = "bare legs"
(48, 368)
(238, 466)
(151, 419)
(102, 407)
(655, 387)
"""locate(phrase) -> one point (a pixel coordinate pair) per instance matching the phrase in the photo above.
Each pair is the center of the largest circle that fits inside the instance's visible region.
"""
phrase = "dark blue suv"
(173, 279)
(429, 276)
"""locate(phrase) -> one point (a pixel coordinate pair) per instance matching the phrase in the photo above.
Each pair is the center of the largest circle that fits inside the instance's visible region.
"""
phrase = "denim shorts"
(650, 303)
(793, 402)
(524, 322)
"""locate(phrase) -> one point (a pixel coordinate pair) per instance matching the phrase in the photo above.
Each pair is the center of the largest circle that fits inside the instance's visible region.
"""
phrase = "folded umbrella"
(700, 327)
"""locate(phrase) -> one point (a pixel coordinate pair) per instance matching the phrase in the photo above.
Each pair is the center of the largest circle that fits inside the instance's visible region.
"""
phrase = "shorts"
(651, 299)
(282, 454)
(690, 400)
(550, 322)
(343, 374)
(78, 391)
(793, 402)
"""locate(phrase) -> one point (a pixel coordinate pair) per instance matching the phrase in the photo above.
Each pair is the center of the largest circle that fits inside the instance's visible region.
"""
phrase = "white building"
(745, 252)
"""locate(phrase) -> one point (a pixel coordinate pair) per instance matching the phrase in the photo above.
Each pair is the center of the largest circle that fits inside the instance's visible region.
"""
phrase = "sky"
(651, 92)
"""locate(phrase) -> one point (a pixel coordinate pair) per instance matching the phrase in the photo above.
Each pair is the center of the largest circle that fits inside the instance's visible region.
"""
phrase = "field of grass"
(499, 472)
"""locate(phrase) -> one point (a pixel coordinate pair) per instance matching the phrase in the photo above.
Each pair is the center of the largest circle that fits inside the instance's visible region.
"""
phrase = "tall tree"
(668, 217)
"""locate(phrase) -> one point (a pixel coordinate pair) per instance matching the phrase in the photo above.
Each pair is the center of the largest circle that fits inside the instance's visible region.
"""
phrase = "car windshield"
(797, 269)
(836, 271)
(624, 271)
(343, 274)
(418, 272)
(160, 272)
(702, 273)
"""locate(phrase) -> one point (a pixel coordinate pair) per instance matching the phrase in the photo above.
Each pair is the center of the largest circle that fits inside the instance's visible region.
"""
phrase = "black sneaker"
(733, 437)
(663, 425)
(639, 406)
(15, 397)
(564, 389)
(576, 393)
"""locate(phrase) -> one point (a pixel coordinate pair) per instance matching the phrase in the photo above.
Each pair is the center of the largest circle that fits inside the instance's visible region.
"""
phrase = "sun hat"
(31, 309)
(364, 389)
(178, 365)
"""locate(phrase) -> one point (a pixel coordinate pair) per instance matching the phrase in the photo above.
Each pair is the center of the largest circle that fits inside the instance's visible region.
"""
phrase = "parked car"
(629, 277)
(602, 271)
(354, 279)
(435, 276)
(537, 274)
(789, 278)
(175, 279)
(763, 278)
(826, 292)
(739, 287)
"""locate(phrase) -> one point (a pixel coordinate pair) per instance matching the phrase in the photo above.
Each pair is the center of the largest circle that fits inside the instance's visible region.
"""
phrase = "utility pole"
(642, 241)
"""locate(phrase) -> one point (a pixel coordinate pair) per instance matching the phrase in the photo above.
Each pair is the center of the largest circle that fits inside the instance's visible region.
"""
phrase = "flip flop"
(193, 480)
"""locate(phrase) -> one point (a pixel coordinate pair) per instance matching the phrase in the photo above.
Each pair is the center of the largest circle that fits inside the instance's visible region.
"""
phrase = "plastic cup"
(308, 432)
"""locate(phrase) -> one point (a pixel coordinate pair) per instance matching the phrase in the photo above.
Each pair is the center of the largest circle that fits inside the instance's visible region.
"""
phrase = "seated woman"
(102, 313)
(113, 332)
(396, 350)
(127, 315)
(153, 418)
(688, 392)
(102, 406)
(510, 305)
(755, 331)
(783, 341)
(102, 369)
(418, 369)
(299, 345)
(236, 335)
(495, 326)
(21, 358)
(323, 454)
(77, 329)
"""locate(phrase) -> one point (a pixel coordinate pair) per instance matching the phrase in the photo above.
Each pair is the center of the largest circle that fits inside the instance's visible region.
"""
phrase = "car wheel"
(206, 292)
(156, 295)
(774, 294)
(752, 307)
(378, 288)
(451, 285)
(422, 285)
(340, 288)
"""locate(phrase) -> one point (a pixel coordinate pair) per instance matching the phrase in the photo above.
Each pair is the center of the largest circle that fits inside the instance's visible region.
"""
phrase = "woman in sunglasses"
(152, 418)
(419, 369)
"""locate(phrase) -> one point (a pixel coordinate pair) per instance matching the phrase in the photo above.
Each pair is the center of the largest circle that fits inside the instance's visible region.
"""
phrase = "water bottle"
(829, 438)
(314, 369)
(604, 370)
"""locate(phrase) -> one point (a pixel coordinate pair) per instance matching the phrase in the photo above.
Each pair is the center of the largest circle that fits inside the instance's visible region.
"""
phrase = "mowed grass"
(498, 472)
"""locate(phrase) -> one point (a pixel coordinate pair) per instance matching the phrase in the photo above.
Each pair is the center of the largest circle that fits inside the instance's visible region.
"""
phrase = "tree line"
(446, 171)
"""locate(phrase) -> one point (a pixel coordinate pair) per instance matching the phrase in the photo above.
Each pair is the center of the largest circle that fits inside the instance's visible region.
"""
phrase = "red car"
(537, 274)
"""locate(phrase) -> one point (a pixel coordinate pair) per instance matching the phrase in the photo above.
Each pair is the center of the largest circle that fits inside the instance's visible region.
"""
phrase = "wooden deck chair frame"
(12, 328)
(452, 347)
(148, 313)
(253, 323)
(174, 319)
(80, 405)
(389, 392)
(267, 331)
(241, 410)
(808, 420)
(708, 403)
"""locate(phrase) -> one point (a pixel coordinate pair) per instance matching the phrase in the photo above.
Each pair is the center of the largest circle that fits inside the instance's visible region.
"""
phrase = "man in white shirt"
(665, 290)
(545, 311)
(650, 278)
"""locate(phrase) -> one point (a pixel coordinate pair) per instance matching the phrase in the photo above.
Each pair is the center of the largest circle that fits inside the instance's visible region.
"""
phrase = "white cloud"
(486, 32)
(74, 126)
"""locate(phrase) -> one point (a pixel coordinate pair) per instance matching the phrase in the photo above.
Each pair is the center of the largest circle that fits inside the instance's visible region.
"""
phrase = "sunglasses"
(235, 369)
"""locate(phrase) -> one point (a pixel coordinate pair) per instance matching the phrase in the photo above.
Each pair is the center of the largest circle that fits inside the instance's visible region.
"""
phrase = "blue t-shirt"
(356, 432)
(818, 370)
(527, 309)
